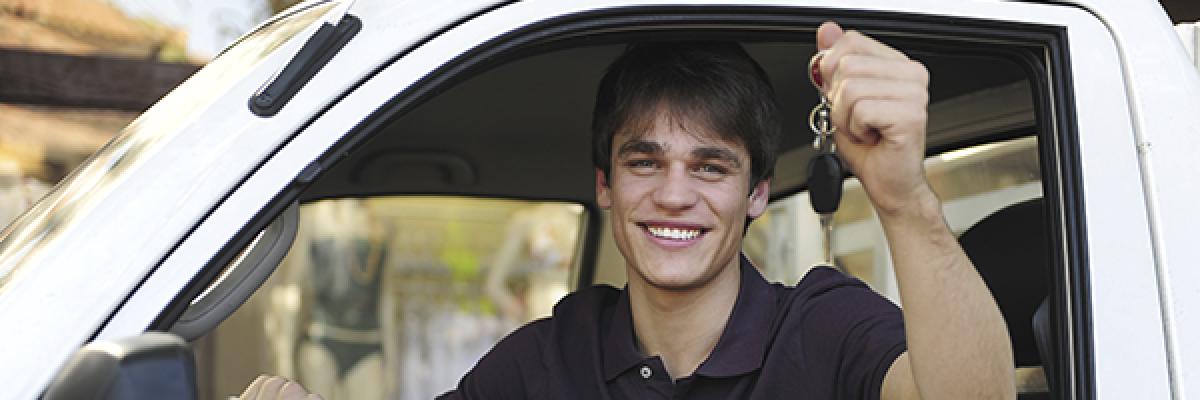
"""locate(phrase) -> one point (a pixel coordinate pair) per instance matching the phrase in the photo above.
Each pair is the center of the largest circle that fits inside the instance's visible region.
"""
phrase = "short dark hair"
(714, 84)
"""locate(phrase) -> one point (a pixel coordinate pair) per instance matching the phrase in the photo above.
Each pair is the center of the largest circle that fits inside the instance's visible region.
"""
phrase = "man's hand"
(879, 98)
(276, 388)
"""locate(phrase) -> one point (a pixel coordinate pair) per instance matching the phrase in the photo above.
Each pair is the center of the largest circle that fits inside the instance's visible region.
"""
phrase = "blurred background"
(73, 73)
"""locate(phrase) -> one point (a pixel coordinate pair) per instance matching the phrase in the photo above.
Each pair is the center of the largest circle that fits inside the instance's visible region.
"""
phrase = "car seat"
(1010, 250)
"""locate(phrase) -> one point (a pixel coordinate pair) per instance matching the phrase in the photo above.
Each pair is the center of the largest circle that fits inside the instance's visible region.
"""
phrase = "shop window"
(397, 297)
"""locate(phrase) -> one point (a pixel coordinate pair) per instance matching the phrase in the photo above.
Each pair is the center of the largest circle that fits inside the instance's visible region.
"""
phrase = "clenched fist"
(879, 98)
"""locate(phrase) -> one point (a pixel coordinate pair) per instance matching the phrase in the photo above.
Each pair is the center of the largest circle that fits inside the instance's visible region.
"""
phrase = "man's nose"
(675, 191)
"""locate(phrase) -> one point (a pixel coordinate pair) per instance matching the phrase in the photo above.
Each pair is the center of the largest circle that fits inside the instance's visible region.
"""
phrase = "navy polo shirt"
(829, 337)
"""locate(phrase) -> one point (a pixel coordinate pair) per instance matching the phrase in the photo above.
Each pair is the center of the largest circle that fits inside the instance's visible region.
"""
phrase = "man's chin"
(676, 280)
(676, 285)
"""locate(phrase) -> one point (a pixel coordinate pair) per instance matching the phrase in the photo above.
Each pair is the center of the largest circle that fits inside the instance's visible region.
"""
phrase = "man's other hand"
(267, 387)
(879, 99)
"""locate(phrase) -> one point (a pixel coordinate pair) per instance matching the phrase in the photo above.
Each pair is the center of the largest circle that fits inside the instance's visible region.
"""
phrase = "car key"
(825, 170)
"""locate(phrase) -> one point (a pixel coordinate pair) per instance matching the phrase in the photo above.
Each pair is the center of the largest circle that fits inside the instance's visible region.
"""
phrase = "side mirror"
(153, 365)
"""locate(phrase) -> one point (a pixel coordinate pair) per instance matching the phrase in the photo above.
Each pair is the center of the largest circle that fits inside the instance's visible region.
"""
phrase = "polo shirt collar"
(620, 351)
(742, 345)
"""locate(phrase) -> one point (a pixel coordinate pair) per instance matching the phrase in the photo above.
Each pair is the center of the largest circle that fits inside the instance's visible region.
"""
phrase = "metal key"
(825, 170)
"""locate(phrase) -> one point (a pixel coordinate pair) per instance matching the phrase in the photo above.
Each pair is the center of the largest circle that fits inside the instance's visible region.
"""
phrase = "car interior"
(471, 210)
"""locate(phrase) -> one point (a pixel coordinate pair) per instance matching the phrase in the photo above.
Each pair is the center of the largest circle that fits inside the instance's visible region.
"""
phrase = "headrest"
(1010, 251)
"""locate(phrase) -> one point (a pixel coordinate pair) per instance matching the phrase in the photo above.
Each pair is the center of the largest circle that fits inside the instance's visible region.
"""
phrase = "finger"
(896, 122)
(844, 92)
(251, 391)
(862, 66)
(854, 42)
(827, 34)
(848, 93)
(292, 391)
(270, 388)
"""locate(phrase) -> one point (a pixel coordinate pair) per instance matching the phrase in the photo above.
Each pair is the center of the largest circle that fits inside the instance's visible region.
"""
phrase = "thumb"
(828, 34)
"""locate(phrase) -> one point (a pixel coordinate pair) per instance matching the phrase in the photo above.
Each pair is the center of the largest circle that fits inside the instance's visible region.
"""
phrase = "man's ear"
(759, 197)
(603, 195)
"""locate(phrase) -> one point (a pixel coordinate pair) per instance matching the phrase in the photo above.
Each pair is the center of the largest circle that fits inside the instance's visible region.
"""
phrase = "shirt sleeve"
(870, 347)
(854, 332)
(508, 371)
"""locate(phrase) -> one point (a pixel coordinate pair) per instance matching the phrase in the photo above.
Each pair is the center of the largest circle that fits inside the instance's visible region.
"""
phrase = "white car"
(1088, 109)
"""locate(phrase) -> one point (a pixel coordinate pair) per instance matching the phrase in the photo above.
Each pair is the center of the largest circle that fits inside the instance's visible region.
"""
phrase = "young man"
(685, 142)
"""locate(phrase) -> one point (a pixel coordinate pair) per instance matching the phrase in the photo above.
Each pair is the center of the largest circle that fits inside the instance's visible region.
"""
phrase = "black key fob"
(825, 182)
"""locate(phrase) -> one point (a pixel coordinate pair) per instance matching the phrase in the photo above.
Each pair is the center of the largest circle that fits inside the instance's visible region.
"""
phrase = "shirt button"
(646, 372)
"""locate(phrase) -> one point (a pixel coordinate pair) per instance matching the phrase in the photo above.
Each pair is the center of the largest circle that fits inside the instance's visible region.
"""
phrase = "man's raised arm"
(958, 343)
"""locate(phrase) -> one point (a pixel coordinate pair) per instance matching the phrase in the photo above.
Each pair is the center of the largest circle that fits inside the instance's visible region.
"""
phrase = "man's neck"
(683, 326)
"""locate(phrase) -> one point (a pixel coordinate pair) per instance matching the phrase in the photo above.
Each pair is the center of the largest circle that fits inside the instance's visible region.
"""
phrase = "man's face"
(679, 200)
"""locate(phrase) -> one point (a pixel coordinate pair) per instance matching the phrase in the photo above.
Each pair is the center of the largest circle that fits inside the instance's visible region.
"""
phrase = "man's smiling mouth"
(682, 233)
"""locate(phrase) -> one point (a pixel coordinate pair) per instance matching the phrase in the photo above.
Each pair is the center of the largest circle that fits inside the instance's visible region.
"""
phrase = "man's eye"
(640, 164)
(713, 169)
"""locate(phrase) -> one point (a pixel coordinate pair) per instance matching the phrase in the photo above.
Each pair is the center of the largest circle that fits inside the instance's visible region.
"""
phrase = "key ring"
(814, 71)
(818, 119)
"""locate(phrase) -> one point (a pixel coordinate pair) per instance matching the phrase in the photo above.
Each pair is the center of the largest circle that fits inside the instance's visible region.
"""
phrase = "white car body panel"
(1137, 149)
(1189, 34)
(1164, 88)
(66, 299)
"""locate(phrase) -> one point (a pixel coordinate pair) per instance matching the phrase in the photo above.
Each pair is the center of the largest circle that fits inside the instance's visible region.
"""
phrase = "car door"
(74, 259)
(1108, 313)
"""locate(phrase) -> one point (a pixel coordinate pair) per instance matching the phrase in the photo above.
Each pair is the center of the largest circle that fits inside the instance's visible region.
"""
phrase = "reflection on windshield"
(86, 185)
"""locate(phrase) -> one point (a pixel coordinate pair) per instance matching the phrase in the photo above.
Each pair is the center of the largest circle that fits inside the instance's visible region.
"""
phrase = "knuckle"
(914, 93)
(851, 90)
(853, 65)
(914, 117)
(920, 117)
(918, 71)
(854, 119)
(854, 35)
(922, 97)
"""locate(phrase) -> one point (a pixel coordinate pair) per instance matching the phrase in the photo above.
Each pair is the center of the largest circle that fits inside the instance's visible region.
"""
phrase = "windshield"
(97, 175)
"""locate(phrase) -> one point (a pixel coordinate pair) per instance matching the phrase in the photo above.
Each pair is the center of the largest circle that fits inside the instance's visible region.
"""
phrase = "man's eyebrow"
(639, 147)
(717, 153)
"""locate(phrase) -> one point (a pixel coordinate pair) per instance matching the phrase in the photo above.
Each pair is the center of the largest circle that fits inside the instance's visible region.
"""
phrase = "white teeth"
(674, 233)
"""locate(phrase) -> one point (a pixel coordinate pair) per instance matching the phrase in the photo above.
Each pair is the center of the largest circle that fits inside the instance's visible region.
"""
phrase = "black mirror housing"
(153, 365)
